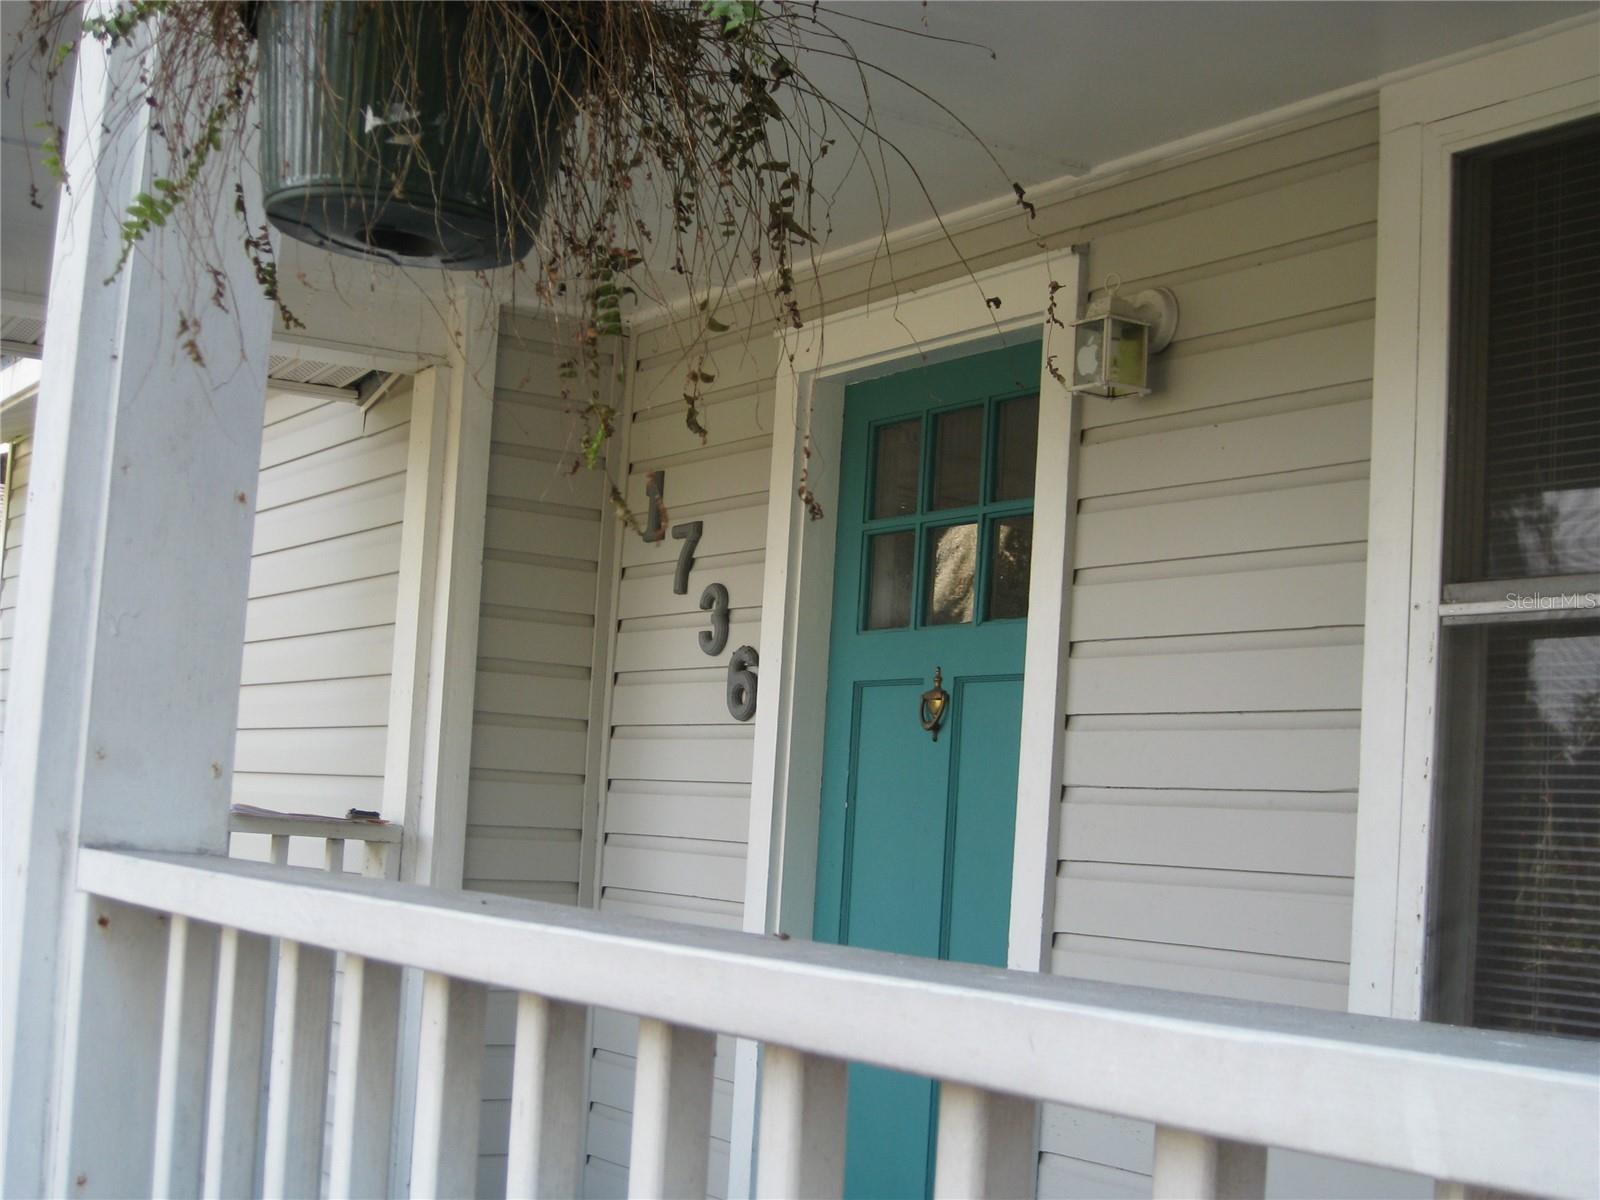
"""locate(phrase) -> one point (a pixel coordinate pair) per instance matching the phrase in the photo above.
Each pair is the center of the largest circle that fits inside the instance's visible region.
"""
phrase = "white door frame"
(965, 316)
(1426, 122)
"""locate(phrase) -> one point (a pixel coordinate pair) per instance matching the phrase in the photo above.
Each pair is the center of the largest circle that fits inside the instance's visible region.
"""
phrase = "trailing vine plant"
(681, 145)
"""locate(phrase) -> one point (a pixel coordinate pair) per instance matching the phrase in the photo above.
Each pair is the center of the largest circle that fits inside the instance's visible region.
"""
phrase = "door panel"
(896, 826)
(915, 841)
(985, 818)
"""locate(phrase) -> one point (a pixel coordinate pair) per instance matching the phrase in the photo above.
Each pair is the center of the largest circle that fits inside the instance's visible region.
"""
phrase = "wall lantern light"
(1113, 342)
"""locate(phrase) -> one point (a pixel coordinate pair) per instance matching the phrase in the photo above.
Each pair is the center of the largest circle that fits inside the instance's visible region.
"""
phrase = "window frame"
(1425, 123)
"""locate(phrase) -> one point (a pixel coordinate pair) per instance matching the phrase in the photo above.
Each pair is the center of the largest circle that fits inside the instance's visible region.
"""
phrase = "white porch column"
(434, 673)
(128, 643)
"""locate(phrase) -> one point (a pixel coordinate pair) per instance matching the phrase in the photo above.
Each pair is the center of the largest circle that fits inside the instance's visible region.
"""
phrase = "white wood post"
(297, 1090)
(129, 628)
(363, 1081)
(1191, 1166)
(434, 669)
(233, 1104)
(185, 1046)
(801, 1149)
(1040, 768)
(444, 1149)
(987, 1145)
(671, 1112)
(547, 1093)
(443, 671)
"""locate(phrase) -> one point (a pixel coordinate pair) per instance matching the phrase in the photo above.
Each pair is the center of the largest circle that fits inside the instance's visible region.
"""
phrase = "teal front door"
(914, 854)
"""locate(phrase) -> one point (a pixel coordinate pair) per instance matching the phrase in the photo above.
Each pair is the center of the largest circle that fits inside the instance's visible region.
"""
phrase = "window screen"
(1515, 926)
(1526, 410)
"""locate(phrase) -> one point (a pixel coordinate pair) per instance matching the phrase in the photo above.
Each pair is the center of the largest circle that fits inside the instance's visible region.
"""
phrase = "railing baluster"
(363, 1080)
(987, 1144)
(1191, 1166)
(671, 1112)
(444, 1148)
(185, 1039)
(802, 1124)
(280, 850)
(378, 860)
(298, 1088)
(333, 854)
(233, 1107)
(547, 1070)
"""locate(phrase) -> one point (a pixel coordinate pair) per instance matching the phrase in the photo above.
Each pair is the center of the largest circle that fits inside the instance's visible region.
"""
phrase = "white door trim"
(1425, 122)
(949, 320)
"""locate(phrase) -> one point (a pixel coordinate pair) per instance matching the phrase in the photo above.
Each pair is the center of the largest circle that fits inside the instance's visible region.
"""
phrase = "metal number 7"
(689, 533)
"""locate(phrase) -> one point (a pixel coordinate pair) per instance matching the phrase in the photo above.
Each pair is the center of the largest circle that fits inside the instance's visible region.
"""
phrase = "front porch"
(346, 568)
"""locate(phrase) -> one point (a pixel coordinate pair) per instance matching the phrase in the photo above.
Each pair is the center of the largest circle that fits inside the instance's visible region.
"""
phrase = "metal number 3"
(715, 599)
(742, 683)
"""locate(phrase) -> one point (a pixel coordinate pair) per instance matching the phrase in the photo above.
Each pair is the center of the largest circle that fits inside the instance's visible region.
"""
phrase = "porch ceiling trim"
(1107, 174)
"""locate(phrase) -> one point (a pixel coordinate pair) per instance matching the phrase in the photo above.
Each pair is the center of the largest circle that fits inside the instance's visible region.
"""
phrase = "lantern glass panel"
(1088, 358)
(1128, 358)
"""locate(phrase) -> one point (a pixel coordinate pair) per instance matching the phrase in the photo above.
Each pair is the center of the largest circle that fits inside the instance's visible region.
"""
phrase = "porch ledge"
(244, 818)
(1501, 1110)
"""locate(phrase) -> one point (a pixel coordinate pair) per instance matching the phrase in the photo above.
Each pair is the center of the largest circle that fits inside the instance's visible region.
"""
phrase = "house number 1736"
(742, 681)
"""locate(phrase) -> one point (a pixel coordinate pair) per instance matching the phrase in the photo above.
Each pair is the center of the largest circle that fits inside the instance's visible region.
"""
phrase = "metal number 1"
(655, 526)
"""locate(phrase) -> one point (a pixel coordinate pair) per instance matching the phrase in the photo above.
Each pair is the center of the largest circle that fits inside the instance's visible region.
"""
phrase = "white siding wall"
(319, 622)
(677, 804)
(1208, 824)
(536, 646)
(11, 568)
(319, 626)
(1208, 820)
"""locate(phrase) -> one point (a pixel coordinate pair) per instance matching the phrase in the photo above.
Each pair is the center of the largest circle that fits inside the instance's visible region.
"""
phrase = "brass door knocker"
(934, 701)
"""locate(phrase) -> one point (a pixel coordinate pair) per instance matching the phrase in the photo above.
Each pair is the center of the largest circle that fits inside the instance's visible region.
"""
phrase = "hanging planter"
(382, 137)
(667, 153)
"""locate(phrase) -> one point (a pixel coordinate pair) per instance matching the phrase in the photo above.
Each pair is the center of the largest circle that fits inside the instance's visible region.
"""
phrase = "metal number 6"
(715, 639)
(742, 683)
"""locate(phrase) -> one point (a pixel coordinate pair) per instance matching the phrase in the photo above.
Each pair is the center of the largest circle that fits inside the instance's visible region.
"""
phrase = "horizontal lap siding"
(1207, 827)
(11, 567)
(677, 807)
(1207, 832)
(319, 624)
(536, 642)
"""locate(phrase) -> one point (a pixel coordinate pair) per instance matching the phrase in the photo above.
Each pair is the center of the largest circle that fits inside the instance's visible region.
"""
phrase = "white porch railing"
(1222, 1080)
(379, 840)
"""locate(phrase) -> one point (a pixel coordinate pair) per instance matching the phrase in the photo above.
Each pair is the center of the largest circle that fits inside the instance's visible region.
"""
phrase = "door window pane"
(889, 569)
(1016, 448)
(1009, 558)
(952, 569)
(957, 457)
(896, 468)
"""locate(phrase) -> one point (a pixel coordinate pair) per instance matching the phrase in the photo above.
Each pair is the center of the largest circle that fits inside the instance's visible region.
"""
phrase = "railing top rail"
(248, 819)
(1502, 1110)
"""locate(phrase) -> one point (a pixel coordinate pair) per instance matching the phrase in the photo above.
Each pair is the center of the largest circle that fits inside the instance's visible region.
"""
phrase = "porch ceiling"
(1069, 86)
(1076, 85)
